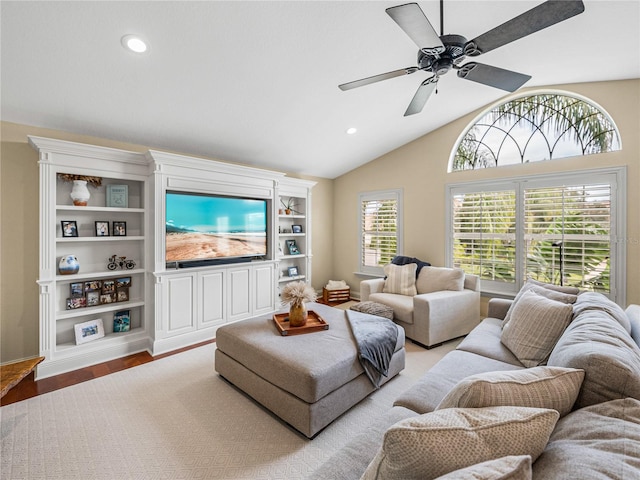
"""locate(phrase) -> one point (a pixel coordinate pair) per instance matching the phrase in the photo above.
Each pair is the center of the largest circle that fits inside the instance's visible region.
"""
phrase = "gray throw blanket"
(376, 339)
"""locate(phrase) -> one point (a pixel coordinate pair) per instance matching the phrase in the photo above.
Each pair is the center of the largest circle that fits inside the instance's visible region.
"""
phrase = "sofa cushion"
(436, 279)
(596, 442)
(352, 459)
(598, 344)
(401, 279)
(425, 395)
(535, 326)
(554, 292)
(485, 340)
(513, 467)
(421, 447)
(540, 387)
(402, 305)
(633, 314)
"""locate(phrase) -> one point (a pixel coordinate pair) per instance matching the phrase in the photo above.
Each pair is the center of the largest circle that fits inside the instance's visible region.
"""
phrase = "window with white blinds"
(484, 237)
(380, 229)
(558, 229)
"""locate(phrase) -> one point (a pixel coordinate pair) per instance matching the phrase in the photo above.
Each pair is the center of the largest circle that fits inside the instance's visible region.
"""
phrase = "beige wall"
(420, 168)
(19, 234)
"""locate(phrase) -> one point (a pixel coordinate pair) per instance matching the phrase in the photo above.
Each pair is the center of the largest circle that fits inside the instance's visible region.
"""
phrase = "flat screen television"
(203, 228)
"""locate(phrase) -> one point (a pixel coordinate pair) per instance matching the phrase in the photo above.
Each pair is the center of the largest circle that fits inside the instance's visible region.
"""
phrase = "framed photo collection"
(98, 292)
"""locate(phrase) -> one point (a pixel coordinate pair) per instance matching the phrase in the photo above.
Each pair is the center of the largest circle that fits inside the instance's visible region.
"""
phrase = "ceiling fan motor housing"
(441, 63)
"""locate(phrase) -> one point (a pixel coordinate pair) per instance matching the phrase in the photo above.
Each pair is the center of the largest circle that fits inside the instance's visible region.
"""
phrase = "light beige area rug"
(175, 418)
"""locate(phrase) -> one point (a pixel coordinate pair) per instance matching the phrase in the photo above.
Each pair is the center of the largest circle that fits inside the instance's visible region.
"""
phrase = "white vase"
(80, 193)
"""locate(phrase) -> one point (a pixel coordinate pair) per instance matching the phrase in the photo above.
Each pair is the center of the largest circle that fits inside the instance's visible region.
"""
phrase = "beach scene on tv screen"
(200, 227)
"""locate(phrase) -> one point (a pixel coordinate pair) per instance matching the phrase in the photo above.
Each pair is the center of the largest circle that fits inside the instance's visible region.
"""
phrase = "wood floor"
(28, 387)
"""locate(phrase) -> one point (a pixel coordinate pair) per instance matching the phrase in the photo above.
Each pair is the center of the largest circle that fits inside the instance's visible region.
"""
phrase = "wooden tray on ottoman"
(315, 323)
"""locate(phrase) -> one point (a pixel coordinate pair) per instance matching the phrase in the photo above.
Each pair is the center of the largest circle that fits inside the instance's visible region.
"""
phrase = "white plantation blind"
(484, 238)
(559, 229)
(570, 228)
(380, 229)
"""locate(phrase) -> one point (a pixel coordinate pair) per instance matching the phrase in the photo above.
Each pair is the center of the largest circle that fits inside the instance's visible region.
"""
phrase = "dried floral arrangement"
(298, 292)
(69, 177)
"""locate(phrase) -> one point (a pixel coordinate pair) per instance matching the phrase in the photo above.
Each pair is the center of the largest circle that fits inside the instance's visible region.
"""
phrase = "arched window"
(532, 128)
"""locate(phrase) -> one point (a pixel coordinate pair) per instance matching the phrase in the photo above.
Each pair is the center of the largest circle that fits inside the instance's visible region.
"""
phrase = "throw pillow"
(513, 467)
(554, 292)
(437, 279)
(400, 279)
(541, 387)
(535, 326)
(440, 442)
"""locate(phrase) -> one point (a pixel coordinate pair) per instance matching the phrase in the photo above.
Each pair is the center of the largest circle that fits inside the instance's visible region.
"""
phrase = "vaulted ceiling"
(257, 82)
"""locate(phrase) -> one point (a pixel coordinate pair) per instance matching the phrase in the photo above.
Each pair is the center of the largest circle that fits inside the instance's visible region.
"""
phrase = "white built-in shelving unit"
(57, 333)
(294, 226)
(169, 307)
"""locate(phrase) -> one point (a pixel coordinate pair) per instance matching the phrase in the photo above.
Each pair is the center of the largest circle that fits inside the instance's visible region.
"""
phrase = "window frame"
(614, 176)
(379, 195)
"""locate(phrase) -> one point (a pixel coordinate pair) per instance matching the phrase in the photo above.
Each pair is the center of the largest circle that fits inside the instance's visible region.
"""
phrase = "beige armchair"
(446, 305)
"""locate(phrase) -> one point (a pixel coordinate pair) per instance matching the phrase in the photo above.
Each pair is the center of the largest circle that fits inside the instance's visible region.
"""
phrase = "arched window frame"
(538, 128)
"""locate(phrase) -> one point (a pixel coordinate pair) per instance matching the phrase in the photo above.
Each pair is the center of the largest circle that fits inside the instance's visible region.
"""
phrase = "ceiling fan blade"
(540, 17)
(377, 78)
(415, 24)
(420, 98)
(493, 76)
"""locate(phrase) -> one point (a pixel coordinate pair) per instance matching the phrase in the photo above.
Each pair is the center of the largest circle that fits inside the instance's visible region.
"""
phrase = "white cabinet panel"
(179, 308)
(212, 290)
(264, 288)
(239, 293)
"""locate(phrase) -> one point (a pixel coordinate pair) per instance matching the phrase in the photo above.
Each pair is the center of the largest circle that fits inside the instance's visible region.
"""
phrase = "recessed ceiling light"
(351, 131)
(134, 43)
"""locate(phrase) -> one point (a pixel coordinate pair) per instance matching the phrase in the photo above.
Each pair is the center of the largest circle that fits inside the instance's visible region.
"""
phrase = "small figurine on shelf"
(122, 262)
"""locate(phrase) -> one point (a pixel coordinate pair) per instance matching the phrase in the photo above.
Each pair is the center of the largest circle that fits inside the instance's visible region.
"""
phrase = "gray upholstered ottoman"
(373, 308)
(307, 380)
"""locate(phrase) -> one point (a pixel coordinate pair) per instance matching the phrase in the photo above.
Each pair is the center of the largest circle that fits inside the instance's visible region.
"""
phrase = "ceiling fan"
(439, 54)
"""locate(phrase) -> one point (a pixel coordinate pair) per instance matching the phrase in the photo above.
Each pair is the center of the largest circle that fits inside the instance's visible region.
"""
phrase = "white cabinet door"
(264, 285)
(179, 306)
(239, 293)
(212, 290)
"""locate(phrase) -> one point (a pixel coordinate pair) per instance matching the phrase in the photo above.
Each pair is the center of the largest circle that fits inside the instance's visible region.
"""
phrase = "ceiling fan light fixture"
(134, 43)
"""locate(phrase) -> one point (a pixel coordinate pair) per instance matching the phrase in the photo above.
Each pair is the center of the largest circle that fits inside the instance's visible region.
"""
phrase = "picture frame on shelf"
(102, 229)
(107, 298)
(118, 196)
(108, 286)
(122, 295)
(93, 298)
(92, 286)
(119, 229)
(123, 282)
(122, 321)
(89, 331)
(77, 289)
(75, 303)
(292, 247)
(296, 228)
(69, 228)
(292, 271)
